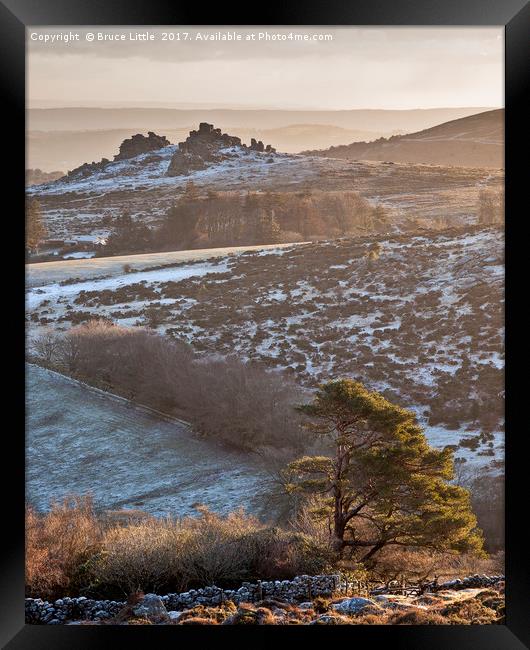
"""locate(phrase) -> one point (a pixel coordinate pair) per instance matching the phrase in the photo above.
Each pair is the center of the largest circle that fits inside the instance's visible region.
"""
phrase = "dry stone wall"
(71, 609)
(300, 589)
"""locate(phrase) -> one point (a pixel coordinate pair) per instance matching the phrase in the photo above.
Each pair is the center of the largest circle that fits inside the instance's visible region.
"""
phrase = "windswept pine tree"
(383, 485)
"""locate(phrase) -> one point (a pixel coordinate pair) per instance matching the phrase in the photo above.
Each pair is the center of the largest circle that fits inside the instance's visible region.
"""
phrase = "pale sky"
(361, 67)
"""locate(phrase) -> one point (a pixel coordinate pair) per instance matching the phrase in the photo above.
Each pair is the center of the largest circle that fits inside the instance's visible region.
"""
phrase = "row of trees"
(237, 403)
(230, 218)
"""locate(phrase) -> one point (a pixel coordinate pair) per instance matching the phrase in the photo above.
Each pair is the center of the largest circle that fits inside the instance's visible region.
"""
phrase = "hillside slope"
(474, 141)
(424, 322)
(82, 441)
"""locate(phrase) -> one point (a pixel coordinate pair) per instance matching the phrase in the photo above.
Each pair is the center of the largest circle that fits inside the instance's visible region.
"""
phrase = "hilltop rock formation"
(88, 168)
(259, 146)
(139, 144)
(205, 146)
(129, 148)
(201, 148)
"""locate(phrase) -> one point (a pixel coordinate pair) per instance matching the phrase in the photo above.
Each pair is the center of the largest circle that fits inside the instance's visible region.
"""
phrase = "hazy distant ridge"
(62, 119)
(474, 141)
(63, 138)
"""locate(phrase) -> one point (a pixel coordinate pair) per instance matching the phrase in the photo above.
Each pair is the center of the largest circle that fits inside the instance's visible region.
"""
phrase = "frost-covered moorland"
(74, 206)
(423, 322)
(320, 270)
(78, 207)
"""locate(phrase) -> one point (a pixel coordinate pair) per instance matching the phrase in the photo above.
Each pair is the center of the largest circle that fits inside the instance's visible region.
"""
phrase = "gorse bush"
(71, 550)
(58, 545)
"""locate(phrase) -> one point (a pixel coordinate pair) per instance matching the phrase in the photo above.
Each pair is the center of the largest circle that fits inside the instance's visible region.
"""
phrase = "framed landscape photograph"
(265, 323)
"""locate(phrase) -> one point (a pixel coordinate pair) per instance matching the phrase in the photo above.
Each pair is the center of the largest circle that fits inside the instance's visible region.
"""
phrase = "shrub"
(278, 554)
(216, 614)
(249, 615)
(371, 619)
(209, 549)
(217, 549)
(139, 621)
(197, 620)
(321, 605)
(58, 545)
(70, 550)
(46, 346)
(469, 612)
(144, 556)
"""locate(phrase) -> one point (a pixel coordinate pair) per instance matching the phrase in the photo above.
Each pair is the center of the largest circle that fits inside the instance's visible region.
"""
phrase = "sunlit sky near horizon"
(361, 67)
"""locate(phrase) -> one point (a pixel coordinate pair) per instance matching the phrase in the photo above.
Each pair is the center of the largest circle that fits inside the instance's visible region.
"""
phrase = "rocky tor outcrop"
(205, 146)
(130, 148)
(139, 144)
(88, 168)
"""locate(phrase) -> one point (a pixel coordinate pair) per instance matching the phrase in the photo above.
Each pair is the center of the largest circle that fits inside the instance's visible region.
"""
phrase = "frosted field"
(82, 441)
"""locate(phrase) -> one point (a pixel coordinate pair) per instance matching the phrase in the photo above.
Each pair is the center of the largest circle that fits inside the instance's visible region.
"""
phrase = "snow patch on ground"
(55, 291)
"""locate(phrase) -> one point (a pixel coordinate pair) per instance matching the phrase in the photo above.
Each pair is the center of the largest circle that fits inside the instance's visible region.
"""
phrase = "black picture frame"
(515, 16)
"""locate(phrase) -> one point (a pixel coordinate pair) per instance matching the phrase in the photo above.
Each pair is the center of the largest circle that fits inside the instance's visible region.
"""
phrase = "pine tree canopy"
(383, 484)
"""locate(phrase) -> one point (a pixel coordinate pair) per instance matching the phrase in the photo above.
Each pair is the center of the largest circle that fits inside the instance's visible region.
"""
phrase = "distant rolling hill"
(64, 138)
(295, 137)
(474, 141)
(382, 120)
